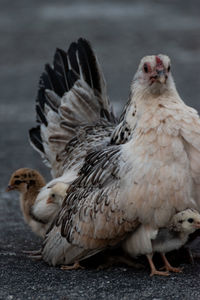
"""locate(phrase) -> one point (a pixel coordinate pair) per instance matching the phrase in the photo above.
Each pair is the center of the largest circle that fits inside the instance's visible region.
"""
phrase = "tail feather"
(61, 66)
(72, 57)
(89, 64)
(73, 88)
(72, 78)
(54, 79)
(52, 100)
(40, 115)
(36, 139)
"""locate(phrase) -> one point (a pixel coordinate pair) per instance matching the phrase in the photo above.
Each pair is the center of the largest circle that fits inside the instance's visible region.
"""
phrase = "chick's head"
(57, 193)
(24, 178)
(186, 221)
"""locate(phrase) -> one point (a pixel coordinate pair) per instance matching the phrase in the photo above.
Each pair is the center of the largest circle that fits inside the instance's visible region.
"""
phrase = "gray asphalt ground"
(121, 32)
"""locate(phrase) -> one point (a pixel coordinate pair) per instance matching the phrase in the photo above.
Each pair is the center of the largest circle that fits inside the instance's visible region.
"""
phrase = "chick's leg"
(168, 267)
(154, 271)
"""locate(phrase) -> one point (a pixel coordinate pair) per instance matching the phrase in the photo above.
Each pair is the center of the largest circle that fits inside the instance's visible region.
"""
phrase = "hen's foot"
(75, 266)
(33, 252)
(160, 273)
(172, 269)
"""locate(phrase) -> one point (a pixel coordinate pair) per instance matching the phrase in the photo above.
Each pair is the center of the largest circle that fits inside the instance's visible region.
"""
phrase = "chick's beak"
(49, 200)
(10, 188)
(197, 224)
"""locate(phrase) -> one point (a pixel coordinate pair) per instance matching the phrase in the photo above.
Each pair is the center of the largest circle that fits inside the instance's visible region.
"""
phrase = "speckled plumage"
(73, 112)
(143, 181)
(140, 171)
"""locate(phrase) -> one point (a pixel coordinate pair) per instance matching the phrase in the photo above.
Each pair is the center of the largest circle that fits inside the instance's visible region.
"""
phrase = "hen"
(141, 171)
(145, 180)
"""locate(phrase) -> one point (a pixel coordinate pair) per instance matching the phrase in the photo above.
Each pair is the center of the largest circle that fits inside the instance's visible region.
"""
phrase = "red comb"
(158, 61)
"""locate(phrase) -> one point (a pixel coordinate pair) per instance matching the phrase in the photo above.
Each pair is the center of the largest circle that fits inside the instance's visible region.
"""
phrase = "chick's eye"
(190, 220)
(53, 195)
(169, 68)
(145, 67)
(17, 182)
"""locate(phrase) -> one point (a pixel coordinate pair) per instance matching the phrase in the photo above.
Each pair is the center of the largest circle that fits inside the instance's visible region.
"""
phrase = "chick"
(28, 182)
(49, 201)
(147, 240)
(39, 202)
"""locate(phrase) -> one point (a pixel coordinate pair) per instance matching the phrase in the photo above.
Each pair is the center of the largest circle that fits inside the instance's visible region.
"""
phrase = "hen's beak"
(161, 76)
(10, 188)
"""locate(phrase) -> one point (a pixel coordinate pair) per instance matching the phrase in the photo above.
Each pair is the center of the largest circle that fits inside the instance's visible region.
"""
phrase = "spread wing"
(88, 138)
(91, 216)
(95, 212)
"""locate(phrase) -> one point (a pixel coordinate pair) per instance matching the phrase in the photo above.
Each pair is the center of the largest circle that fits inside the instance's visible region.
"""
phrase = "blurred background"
(121, 32)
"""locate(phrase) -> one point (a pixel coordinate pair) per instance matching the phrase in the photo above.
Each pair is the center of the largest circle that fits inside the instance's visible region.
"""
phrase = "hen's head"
(154, 73)
(24, 178)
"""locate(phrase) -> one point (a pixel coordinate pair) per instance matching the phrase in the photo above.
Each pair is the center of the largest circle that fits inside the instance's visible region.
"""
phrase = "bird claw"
(75, 266)
(172, 269)
(35, 254)
(32, 253)
(160, 273)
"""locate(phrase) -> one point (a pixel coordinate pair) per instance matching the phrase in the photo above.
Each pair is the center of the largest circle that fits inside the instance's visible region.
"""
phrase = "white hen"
(144, 181)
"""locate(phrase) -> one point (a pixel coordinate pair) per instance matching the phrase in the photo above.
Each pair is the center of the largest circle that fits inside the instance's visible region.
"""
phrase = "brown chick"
(28, 182)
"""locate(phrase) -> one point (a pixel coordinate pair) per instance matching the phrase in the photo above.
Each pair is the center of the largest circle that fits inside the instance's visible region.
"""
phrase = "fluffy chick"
(49, 201)
(28, 182)
(39, 202)
(147, 240)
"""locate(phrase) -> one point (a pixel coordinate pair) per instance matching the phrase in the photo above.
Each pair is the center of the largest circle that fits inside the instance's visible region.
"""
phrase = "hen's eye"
(145, 68)
(53, 195)
(190, 220)
(168, 69)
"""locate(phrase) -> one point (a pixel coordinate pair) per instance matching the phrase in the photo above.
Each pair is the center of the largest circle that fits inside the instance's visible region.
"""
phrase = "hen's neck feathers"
(147, 99)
